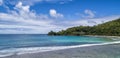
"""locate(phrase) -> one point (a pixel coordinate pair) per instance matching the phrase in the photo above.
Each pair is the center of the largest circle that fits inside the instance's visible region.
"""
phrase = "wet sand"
(103, 51)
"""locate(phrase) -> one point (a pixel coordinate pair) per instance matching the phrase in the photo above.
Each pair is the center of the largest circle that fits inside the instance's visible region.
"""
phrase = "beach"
(98, 51)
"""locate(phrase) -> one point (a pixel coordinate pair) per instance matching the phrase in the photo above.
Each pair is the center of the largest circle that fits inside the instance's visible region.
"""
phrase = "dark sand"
(104, 51)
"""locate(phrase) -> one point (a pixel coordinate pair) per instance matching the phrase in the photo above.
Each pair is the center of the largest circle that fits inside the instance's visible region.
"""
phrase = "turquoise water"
(27, 42)
(17, 41)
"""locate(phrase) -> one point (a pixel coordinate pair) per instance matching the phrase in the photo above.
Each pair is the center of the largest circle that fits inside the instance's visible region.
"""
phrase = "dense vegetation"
(111, 28)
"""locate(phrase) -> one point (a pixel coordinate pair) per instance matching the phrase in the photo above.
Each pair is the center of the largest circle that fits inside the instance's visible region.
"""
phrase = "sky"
(42, 16)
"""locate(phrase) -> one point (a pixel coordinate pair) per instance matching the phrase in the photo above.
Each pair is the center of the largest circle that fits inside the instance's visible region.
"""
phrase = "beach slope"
(100, 51)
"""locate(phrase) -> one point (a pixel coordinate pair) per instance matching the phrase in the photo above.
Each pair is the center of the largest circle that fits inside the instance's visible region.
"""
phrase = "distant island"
(111, 28)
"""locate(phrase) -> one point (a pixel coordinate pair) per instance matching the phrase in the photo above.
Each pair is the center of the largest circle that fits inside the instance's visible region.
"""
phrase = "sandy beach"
(103, 51)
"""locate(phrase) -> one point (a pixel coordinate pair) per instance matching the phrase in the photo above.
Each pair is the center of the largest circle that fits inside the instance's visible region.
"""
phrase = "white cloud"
(32, 2)
(24, 2)
(59, 1)
(53, 13)
(24, 8)
(90, 13)
(41, 23)
(87, 14)
(91, 22)
(1, 2)
(28, 29)
(26, 19)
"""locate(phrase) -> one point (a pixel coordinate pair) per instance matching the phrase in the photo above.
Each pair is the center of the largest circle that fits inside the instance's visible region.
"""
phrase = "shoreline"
(102, 51)
(37, 50)
(101, 35)
(66, 48)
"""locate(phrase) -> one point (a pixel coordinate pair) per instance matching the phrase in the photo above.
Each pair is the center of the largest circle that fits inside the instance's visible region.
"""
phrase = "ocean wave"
(19, 51)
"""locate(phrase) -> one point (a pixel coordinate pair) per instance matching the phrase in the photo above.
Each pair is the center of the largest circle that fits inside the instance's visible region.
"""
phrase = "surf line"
(21, 51)
(46, 49)
(87, 45)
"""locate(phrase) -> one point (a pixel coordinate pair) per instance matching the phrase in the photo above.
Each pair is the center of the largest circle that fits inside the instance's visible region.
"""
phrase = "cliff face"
(111, 28)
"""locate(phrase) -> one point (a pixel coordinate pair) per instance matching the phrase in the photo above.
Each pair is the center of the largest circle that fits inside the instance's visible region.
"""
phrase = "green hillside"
(111, 28)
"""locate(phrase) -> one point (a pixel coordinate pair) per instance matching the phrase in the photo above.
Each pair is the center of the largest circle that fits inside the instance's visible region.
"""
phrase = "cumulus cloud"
(90, 13)
(87, 14)
(23, 19)
(53, 13)
(24, 8)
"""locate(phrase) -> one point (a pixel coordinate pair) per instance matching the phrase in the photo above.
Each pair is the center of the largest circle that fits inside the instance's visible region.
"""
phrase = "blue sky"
(42, 16)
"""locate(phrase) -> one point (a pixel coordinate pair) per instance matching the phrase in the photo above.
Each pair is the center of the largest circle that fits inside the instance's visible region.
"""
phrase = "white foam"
(19, 51)
(5, 55)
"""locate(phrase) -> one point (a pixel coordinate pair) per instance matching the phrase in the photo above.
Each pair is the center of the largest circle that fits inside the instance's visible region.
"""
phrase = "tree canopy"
(111, 28)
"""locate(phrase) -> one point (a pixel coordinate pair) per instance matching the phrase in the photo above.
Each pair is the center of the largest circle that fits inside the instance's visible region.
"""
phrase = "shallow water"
(21, 43)
(17, 41)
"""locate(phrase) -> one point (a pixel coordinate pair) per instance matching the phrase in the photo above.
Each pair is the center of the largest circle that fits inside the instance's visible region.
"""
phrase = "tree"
(52, 33)
(111, 28)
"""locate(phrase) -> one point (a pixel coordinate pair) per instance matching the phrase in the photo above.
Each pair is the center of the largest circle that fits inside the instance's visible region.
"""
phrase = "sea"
(17, 44)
